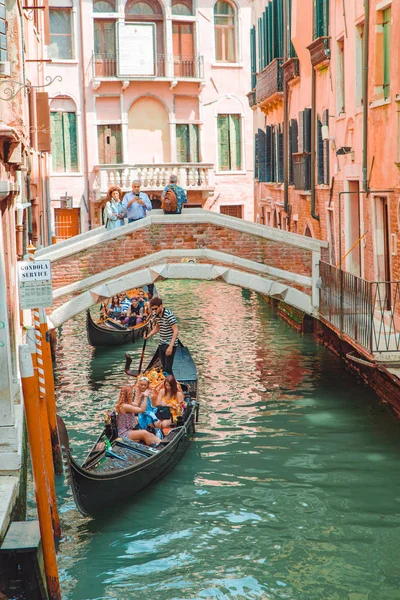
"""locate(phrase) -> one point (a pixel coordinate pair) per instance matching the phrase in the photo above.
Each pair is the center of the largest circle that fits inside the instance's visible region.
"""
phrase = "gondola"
(112, 476)
(110, 333)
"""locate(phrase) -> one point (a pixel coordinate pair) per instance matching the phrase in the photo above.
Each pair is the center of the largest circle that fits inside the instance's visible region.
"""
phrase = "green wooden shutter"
(259, 31)
(279, 27)
(386, 52)
(235, 143)
(194, 143)
(57, 141)
(182, 153)
(253, 53)
(270, 39)
(70, 145)
(223, 142)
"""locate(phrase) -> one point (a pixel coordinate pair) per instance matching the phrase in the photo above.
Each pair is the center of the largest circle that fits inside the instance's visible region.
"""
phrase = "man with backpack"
(173, 197)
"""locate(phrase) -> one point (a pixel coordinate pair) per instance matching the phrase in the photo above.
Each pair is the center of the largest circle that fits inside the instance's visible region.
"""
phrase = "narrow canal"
(290, 490)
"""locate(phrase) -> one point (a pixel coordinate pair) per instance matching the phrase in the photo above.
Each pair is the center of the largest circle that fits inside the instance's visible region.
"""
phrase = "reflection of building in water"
(151, 88)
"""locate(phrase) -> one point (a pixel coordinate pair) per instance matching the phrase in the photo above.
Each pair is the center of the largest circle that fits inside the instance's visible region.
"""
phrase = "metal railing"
(270, 80)
(169, 66)
(366, 311)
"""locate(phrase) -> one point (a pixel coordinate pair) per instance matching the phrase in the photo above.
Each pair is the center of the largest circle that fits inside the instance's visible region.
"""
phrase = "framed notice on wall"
(136, 49)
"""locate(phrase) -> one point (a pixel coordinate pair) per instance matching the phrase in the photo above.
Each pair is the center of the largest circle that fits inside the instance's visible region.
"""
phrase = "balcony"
(291, 70)
(269, 88)
(154, 177)
(320, 52)
(169, 67)
(251, 96)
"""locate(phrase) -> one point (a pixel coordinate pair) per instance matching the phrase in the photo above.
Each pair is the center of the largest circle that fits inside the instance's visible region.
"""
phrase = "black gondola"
(109, 333)
(109, 477)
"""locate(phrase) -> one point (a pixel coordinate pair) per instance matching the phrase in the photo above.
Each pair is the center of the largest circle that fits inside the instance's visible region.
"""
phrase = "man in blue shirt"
(180, 194)
(136, 203)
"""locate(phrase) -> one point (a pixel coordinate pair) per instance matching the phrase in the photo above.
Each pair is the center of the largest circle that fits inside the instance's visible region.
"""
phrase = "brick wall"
(155, 238)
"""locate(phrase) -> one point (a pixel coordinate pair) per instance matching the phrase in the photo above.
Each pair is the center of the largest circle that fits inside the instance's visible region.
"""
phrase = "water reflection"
(290, 489)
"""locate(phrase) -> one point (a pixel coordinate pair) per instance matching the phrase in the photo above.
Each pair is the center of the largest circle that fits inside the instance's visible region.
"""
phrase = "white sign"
(35, 284)
(136, 49)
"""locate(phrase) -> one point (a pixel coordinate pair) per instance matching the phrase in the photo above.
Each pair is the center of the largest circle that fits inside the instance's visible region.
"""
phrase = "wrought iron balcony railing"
(154, 177)
(270, 82)
(368, 312)
(105, 66)
(291, 70)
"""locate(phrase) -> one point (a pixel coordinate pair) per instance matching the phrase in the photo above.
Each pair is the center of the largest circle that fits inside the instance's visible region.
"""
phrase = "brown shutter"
(46, 22)
(32, 118)
(43, 122)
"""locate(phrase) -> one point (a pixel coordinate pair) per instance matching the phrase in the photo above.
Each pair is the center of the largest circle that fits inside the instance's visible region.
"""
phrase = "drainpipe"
(313, 149)
(28, 199)
(285, 112)
(84, 120)
(365, 97)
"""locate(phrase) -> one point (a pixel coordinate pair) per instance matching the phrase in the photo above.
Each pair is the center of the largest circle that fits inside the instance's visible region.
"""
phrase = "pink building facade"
(149, 89)
(322, 130)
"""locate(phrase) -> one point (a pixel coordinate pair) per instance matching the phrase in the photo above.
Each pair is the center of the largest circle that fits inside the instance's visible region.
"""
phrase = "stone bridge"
(198, 244)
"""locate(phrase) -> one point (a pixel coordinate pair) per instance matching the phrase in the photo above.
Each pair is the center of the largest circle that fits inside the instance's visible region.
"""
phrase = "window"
(150, 12)
(225, 31)
(61, 42)
(140, 8)
(104, 48)
(3, 32)
(270, 34)
(187, 143)
(229, 143)
(340, 98)
(110, 145)
(64, 147)
(182, 8)
(359, 41)
(321, 18)
(103, 6)
(182, 40)
(386, 52)
(233, 210)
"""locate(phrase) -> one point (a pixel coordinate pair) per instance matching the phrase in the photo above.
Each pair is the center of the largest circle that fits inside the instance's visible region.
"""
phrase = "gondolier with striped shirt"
(166, 325)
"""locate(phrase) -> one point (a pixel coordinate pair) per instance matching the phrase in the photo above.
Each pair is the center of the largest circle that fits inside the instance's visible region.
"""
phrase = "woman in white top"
(114, 212)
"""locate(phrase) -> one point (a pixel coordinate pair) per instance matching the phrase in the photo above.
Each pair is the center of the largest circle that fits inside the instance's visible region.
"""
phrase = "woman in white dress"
(114, 212)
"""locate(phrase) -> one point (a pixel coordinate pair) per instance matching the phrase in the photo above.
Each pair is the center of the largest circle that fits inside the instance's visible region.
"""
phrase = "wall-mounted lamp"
(325, 132)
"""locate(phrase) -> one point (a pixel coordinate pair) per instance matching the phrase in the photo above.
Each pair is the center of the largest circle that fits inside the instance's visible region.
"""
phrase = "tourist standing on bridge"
(114, 212)
(173, 197)
(136, 203)
(165, 323)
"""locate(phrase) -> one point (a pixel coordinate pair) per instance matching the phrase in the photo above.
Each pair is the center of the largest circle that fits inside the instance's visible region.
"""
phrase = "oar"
(133, 372)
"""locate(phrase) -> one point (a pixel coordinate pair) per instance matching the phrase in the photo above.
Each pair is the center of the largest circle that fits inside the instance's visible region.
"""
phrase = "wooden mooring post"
(38, 451)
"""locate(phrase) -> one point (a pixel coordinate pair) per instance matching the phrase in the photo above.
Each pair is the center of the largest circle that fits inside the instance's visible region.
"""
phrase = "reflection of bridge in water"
(198, 244)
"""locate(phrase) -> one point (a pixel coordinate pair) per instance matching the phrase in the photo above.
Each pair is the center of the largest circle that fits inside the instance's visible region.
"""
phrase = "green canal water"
(290, 489)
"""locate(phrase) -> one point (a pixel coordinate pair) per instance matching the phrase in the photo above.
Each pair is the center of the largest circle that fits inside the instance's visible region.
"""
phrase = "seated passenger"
(114, 309)
(169, 395)
(143, 303)
(125, 303)
(136, 313)
(131, 402)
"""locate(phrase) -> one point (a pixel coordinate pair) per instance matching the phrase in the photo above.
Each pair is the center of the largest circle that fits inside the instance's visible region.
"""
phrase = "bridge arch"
(198, 244)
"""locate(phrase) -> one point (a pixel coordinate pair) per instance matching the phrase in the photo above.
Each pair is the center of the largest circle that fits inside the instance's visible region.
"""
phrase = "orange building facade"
(325, 77)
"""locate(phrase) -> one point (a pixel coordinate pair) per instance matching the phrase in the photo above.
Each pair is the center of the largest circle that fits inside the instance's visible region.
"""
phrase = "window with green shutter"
(253, 57)
(321, 18)
(229, 143)
(64, 148)
(187, 143)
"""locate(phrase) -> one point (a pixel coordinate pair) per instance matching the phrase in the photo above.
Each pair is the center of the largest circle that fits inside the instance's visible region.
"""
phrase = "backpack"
(170, 201)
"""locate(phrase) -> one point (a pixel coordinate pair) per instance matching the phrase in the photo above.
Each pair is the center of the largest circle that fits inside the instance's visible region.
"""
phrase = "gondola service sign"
(35, 284)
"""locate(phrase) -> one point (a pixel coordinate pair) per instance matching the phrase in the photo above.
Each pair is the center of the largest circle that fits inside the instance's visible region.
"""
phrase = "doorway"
(354, 229)
(382, 249)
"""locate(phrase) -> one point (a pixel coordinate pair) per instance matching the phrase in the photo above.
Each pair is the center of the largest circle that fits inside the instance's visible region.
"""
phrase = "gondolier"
(166, 325)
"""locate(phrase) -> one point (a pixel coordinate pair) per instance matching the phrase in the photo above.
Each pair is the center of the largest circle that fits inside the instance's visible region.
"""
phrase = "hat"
(144, 378)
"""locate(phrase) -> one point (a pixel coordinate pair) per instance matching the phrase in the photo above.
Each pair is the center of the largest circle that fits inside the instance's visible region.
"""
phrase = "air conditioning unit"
(5, 68)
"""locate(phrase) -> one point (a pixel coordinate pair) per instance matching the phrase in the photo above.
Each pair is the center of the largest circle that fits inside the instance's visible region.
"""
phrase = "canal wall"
(383, 379)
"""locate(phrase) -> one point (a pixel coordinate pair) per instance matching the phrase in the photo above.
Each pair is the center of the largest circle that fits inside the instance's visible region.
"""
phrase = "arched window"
(182, 8)
(103, 6)
(225, 31)
(142, 10)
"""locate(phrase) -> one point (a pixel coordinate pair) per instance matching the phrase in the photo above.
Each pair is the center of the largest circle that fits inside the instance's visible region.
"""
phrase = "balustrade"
(191, 176)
